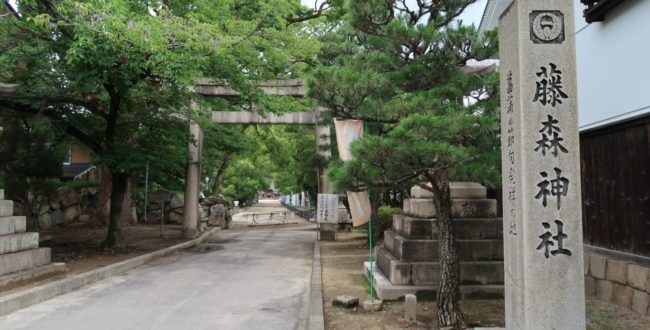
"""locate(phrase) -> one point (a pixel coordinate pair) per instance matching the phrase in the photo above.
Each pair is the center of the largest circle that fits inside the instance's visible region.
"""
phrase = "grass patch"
(600, 319)
(362, 281)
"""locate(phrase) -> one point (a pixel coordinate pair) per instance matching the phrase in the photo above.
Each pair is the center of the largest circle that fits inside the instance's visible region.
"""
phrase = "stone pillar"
(192, 184)
(542, 221)
(324, 148)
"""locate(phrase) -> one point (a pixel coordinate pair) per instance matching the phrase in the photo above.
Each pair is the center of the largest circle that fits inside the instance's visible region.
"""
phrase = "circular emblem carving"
(547, 27)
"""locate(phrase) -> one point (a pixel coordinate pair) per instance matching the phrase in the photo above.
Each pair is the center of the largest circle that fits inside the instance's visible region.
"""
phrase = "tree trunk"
(448, 304)
(104, 207)
(114, 238)
(127, 205)
(221, 173)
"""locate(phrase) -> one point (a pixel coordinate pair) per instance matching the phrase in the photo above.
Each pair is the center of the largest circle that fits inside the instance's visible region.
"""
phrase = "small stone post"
(410, 308)
(542, 221)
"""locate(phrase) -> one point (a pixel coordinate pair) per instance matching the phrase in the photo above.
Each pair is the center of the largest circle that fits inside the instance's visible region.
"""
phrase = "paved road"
(247, 279)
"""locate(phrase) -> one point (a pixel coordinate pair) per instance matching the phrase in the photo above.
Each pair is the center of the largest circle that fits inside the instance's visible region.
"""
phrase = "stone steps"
(18, 261)
(20, 256)
(12, 225)
(460, 208)
(389, 291)
(466, 228)
(2, 194)
(18, 242)
(427, 250)
(6, 208)
(428, 273)
(32, 273)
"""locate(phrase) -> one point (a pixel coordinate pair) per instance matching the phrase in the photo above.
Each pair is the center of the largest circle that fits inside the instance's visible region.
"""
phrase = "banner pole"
(370, 235)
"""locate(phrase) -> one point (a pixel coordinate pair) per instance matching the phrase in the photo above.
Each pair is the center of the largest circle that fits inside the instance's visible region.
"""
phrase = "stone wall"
(212, 209)
(617, 281)
(64, 207)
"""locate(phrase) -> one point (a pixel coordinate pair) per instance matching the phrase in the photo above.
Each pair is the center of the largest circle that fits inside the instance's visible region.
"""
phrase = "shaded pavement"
(248, 278)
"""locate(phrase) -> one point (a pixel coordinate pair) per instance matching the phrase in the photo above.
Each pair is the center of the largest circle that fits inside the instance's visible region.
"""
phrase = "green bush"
(384, 220)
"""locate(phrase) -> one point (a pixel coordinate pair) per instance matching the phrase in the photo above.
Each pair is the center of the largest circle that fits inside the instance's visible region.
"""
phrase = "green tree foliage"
(32, 151)
(118, 75)
(400, 66)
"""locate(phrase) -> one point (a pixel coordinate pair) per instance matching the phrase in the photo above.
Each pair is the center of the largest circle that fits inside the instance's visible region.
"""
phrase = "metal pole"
(372, 275)
(372, 291)
(162, 220)
(146, 191)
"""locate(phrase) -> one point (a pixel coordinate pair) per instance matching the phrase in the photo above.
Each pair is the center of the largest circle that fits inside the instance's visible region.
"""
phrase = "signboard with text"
(327, 208)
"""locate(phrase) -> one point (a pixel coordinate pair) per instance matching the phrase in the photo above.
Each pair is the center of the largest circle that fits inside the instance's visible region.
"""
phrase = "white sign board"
(327, 208)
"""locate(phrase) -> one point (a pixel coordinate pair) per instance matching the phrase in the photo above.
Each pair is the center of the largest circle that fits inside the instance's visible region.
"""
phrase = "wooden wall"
(616, 187)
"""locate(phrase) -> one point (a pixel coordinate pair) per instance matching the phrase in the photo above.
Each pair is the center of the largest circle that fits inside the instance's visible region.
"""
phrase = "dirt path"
(343, 274)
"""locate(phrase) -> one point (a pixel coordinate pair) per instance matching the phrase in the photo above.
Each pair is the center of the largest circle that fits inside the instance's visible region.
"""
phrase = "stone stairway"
(20, 257)
(408, 261)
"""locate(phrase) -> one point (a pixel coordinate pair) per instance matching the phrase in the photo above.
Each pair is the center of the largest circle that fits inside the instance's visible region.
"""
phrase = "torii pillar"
(192, 184)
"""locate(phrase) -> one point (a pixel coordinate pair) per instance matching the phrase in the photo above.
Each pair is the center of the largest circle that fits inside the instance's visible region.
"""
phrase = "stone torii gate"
(292, 87)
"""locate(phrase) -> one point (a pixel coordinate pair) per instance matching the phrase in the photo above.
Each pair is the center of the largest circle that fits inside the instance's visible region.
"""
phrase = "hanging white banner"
(360, 207)
(346, 132)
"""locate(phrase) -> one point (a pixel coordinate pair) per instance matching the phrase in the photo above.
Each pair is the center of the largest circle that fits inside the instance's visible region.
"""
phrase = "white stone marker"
(542, 221)
(410, 308)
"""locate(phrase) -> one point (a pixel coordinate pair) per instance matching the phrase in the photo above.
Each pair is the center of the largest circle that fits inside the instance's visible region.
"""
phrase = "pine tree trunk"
(448, 299)
(115, 238)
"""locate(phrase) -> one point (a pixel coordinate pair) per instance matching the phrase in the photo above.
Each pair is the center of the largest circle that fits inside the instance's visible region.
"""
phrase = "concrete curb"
(23, 299)
(316, 318)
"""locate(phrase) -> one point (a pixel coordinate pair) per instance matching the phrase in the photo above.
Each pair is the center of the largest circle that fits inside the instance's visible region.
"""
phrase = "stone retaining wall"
(621, 282)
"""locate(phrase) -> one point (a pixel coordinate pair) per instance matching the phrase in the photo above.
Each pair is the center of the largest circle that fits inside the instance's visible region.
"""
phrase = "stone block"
(622, 295)
(32, 273)
(406, 206)
(617, 271)
(640, 301)
(460, 208)
(471, 272)
(474, 208)
(585, 256)
(637, 276)
(597, 266)
(44, 221)
(419, 192)
(13, 262)
(57, 217)
(18, 242)
(397, 272)
(327, 235)
(410, 308)
(12, 225)
(427, 250)
(590, 286)
(389, 240)
(410, 249)
(425, 273)
(345, 301)
(71, 213)
(383, 258)
(6, 208)
(398, 222)
(2, 194)
(416, 228)
(421, 208)
(604, 290)
(459, 190)
(372, 306)
(476, 228)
